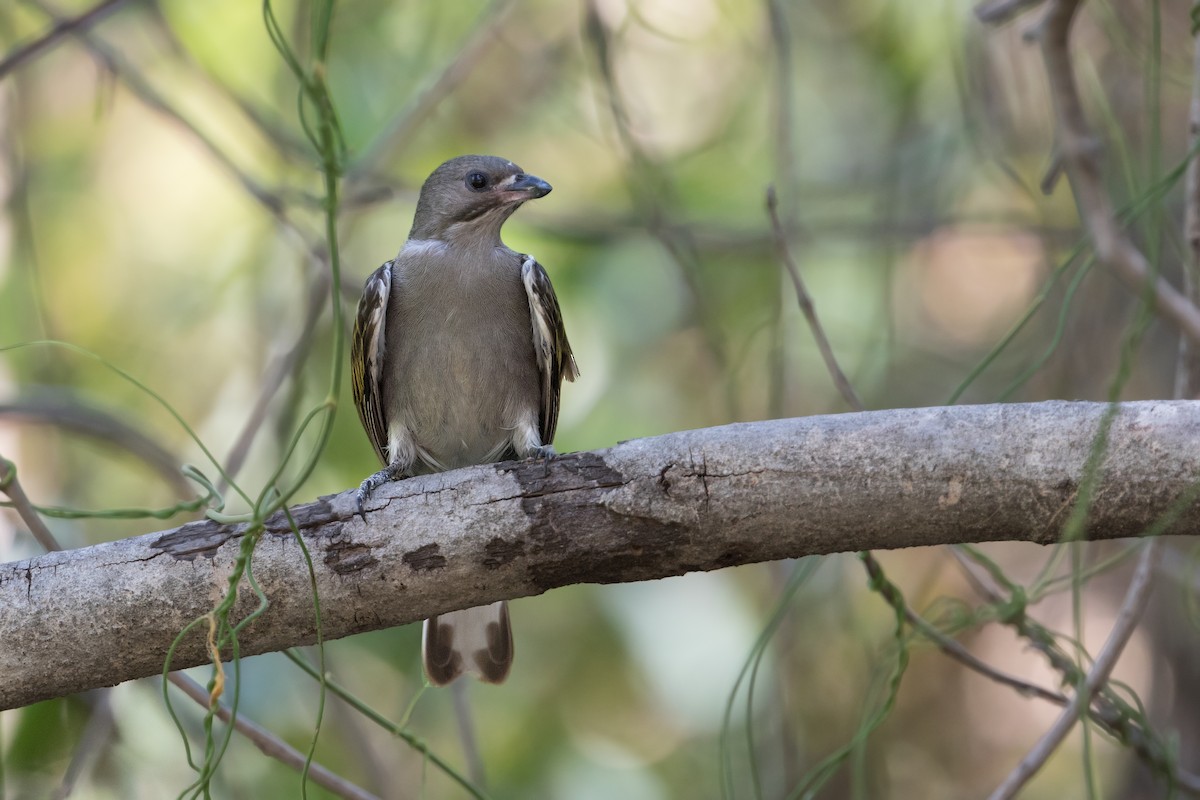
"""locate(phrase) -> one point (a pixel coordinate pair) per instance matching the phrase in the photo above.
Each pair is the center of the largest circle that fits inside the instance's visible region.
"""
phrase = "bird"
(457, 358)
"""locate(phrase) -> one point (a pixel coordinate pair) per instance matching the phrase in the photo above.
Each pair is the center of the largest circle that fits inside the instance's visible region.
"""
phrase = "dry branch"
(62, 27)
(1127, 621)
(650, 508)
(1080, 152)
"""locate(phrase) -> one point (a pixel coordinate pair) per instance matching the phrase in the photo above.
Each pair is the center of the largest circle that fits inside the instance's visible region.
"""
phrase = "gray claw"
(546, 454)
(368, 487)
(362, 495)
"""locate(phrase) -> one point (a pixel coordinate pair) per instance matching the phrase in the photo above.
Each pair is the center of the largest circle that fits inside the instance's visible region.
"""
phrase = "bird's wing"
(366, 357)
(550, 345)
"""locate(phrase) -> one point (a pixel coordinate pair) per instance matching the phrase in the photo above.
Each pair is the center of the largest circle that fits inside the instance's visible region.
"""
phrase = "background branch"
(1080, 151)
(61, 28)
(1127, 621)
(1187, 376)
(270, 744)
(68, 412)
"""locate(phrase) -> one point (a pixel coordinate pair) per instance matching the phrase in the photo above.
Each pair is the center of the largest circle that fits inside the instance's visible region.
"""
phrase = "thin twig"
(283, 140)
(20, 168)
(1187, 376)
(1051, 175)
(784, 99)
(400, 129)
(721, 237)
(397, 730)
(276, 375)
(11, 487)
(96, 733)
(783, 108)
(1080, 155)
(954, 650)
(379, 764)
(1106, 710)
(62, 27)
(949, 646)
(116, 65)
(1127, 620)
(270, 744)
(995, 12)
(466, 735)
(68, 412)
(652, 192)
(806, 307)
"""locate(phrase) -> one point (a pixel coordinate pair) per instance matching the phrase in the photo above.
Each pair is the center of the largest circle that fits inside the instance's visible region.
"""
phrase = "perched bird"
(458, 356)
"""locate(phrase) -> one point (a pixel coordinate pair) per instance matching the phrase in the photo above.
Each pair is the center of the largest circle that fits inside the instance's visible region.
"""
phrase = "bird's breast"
(461, 371)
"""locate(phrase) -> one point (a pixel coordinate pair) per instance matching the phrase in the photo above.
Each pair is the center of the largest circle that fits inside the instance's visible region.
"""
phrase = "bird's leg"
(527, 442)
(391, 472)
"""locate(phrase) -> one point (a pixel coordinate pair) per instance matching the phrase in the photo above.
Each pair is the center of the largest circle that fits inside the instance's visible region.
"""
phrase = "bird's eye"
(477, 181)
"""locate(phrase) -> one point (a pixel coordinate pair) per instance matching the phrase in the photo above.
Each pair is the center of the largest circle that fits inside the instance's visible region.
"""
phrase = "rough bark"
(650, 508)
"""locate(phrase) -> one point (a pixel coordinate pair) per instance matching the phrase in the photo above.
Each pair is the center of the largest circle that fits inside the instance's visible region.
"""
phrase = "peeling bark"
(645, 509)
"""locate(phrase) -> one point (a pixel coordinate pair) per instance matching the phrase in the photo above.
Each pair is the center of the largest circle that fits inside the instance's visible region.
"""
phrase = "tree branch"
(270, 744)
(1187, 375)
(1127, 620)
(62, 27)
(1080, 155)
(650, 508)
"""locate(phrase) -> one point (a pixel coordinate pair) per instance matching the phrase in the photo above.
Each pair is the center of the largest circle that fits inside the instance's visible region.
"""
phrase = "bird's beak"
(525, 187)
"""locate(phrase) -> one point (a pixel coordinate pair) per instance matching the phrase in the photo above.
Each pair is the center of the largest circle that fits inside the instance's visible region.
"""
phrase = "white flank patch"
(401, 447)
(526, 437)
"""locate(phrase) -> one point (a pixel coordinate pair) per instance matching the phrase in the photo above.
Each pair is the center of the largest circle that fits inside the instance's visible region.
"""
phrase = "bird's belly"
(464, 428)
(463, 397)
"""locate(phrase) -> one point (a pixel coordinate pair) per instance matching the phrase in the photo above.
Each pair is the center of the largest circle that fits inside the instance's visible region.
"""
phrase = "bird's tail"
(475, 640)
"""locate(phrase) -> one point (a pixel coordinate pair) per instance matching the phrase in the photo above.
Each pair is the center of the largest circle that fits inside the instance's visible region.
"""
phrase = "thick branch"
(650, 508)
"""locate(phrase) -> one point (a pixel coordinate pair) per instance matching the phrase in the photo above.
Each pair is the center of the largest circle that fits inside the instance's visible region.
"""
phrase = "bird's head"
(471, 197)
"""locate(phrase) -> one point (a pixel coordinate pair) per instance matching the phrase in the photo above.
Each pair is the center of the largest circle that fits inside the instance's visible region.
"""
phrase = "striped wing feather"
(366, 358)
(554, 358)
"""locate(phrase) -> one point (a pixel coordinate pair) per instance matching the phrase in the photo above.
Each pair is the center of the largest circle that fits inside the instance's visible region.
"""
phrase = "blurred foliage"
(162, 209)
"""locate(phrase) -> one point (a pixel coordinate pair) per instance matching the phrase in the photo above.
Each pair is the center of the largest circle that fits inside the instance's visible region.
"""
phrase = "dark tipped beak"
(529, 185)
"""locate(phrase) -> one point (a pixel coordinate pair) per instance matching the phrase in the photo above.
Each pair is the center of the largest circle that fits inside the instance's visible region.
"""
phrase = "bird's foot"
(545, 454)
(367, 487)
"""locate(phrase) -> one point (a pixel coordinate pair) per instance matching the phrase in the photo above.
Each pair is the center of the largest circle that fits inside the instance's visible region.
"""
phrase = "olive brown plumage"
(458, 356)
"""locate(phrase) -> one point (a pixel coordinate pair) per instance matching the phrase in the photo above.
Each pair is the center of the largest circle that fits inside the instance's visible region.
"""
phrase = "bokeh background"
(162, 209)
